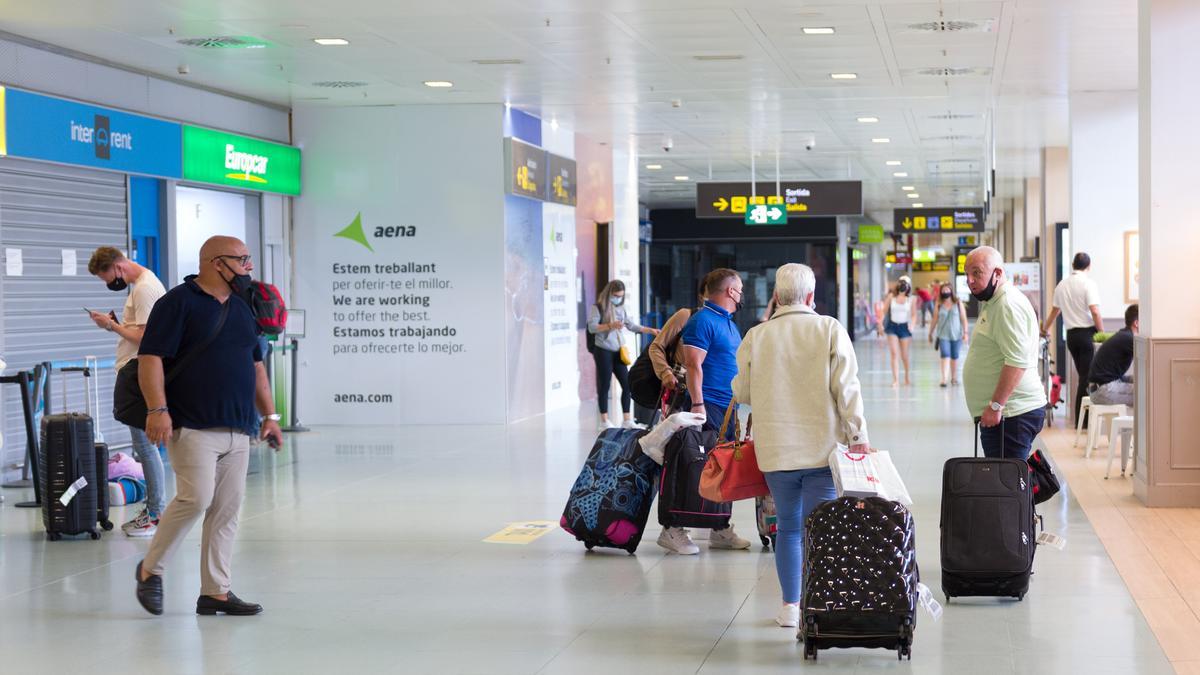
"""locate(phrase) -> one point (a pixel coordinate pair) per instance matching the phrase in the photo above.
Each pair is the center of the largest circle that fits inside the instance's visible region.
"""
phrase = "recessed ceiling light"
(331, 42)
(654, 166)
(438, 84)
(818, 31)
(881, 140)
(894, 162)
(913, 195)
(900, 174)
(918, 205)
(868, 120)
(681, 177)
(908, 188)
(844, 76)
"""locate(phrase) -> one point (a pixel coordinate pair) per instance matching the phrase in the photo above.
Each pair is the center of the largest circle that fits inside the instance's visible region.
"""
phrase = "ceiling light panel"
(828, 30)
(331, 42)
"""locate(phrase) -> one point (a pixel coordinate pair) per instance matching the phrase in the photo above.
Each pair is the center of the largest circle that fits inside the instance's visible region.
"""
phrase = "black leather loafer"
(234, 606)
(149, 592)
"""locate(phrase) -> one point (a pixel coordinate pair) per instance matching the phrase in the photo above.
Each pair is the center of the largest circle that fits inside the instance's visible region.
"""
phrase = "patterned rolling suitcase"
(860, 577)
(767, 519)
(610, 501)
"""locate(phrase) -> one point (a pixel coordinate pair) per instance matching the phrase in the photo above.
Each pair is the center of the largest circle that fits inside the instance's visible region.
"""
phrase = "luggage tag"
(70, 492)
(1053, 540)
(925, 597)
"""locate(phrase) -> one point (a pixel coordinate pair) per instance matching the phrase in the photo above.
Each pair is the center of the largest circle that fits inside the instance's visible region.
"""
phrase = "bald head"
(985, 267)
(221, 245)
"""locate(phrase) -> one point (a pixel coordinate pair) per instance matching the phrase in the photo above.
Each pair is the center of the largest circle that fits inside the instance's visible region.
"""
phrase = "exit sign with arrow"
(766, 214)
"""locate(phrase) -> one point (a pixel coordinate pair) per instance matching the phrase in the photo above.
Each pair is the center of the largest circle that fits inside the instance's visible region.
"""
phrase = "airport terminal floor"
(366, 548)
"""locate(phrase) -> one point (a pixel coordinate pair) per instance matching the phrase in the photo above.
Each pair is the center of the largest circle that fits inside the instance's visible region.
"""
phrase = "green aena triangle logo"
(354, 232)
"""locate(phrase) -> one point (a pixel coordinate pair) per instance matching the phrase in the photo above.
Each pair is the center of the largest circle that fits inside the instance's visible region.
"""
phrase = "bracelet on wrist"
(153, 411)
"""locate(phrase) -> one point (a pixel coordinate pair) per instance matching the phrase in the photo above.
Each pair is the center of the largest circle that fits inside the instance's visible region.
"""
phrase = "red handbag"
(731, 471)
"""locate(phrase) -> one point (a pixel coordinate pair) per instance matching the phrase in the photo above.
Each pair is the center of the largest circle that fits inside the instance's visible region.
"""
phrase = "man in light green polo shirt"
(1000, 378)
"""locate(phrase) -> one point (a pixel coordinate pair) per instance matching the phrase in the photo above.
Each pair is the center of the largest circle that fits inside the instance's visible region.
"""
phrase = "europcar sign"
(238, 161)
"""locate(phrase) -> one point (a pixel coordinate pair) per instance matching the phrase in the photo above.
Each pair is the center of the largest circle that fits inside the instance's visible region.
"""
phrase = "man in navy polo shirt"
(204, 335)
(710, 343)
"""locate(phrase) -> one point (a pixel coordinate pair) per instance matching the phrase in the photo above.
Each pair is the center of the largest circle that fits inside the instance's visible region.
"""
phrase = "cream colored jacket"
(799, 375)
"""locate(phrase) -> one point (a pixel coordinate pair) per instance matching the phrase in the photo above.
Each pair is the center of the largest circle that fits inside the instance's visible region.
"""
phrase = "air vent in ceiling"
(953, 72)
(953, 116)
(339, 84)
(497, 62)
(952, 26)
(951, 138)
(224, 42)
(718, 57)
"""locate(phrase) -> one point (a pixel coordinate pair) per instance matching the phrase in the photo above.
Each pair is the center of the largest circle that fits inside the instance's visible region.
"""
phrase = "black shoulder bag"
(129, 406)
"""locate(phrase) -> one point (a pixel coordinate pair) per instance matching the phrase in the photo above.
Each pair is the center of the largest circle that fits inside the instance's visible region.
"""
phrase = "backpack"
(269, 309)
(591, 337)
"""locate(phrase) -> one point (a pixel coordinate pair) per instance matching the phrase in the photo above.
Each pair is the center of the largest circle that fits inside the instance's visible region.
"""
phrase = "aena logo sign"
(101, 137)
(247, 166)
(355, 232)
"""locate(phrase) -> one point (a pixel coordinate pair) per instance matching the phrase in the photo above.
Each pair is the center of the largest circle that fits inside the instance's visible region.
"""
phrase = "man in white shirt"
(1078, 299)
(119, 273)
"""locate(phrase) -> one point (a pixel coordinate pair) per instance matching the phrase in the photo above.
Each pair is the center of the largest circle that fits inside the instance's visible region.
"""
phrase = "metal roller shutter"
(45, 208)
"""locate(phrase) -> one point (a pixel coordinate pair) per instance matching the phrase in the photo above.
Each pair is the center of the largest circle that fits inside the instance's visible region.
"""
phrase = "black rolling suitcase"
(988, 527)
(679, 500)
(610, 501)
(74, 472)
(860, 577)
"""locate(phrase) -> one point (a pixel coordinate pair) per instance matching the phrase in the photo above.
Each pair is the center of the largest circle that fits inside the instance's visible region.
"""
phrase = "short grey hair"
(793, 283)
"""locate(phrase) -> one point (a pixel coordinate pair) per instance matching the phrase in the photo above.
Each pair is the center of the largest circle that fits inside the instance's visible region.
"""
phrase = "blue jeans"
(152, 465)
(1013, 437)
(796, 494)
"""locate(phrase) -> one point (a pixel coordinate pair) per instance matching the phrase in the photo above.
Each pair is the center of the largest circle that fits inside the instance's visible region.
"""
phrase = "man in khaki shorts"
(204, 335)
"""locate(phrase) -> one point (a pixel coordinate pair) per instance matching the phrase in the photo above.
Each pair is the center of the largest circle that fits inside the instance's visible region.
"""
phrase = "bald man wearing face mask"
(1000, 378)
(204, 334)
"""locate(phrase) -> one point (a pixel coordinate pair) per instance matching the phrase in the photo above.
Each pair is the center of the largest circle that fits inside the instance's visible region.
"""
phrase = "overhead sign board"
(238, 161)
(764, 214)
(560, 183)
(799, 198)
(57, 130)
(526, 168)
(870, 234)
(948, 219)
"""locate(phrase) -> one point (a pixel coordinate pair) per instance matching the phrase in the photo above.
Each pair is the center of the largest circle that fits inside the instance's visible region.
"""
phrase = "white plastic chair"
(1120, 431)
(1099, 415)
(1083, 410)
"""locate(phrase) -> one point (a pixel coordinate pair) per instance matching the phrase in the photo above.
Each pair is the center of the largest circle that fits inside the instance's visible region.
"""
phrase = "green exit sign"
(766, 214)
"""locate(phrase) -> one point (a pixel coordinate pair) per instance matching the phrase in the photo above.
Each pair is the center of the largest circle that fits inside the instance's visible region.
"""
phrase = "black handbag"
(129, 405)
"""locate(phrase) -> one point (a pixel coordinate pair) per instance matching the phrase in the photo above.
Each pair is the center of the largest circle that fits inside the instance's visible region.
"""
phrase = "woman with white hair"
(799, 375)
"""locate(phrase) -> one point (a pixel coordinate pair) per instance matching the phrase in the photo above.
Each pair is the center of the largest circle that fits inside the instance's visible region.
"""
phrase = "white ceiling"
(626, 72)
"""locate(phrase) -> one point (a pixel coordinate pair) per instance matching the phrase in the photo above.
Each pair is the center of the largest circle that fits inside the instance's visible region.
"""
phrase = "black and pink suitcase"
(610, 501)
(679, 500)
(861, 581)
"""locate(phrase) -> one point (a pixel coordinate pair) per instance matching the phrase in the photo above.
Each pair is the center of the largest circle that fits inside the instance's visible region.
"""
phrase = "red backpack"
(269, 308)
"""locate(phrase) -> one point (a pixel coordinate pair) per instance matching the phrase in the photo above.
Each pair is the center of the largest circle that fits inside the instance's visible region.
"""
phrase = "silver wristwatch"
(995, 406)
(274, 417)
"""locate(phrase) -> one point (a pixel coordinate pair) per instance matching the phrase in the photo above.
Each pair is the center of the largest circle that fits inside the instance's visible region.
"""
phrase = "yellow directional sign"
(721, 204)
(907, 223)
(815, 198)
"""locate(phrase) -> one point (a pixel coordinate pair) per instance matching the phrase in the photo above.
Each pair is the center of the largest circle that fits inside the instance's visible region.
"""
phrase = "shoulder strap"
(674, 346)
(191, 356)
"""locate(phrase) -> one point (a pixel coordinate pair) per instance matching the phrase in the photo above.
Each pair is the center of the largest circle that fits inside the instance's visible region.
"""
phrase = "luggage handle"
(87, 393)
(977, 421)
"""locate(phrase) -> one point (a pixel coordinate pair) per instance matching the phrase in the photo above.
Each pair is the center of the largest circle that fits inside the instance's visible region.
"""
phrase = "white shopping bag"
(854, 474)
(891, 487)
(654, 444)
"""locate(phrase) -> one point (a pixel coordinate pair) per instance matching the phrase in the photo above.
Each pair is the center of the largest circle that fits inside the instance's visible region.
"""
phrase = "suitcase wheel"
(810, 648)
(589, 545)
(107, 525)
(766, 541)
(94, 534)
(53, 536)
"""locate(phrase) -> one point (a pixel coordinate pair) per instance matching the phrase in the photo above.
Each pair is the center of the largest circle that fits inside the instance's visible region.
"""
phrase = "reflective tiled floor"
(365, 547)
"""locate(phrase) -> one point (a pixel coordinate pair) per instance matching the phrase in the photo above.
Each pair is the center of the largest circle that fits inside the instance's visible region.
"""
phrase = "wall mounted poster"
(1133, 266)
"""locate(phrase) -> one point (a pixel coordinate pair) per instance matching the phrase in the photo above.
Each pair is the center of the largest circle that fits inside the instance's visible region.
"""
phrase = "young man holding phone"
(120, 273)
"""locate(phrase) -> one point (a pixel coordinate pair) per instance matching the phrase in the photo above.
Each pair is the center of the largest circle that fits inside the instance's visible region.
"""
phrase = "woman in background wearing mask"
(949, 328)
(898, 313)
(606, 318)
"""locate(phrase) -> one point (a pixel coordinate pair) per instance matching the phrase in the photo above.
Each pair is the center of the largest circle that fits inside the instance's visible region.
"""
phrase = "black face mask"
(240, 283)
(946, 295)
(987, 293)
(117, 284)
(903, 289)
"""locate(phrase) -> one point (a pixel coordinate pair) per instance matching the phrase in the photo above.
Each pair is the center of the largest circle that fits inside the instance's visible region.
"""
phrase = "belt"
(1091, 328)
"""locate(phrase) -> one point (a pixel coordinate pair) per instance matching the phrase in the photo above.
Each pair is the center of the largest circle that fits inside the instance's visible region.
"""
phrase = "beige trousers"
(210, 478)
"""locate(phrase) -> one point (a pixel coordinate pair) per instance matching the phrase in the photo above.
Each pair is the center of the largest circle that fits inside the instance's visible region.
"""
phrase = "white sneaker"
(630, 424)
(141, 526)
(789, 616)
(727, 538)
(605, 425)
(677, 540)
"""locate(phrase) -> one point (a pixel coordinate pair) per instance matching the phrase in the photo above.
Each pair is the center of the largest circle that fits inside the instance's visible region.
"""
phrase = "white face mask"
(617, 300)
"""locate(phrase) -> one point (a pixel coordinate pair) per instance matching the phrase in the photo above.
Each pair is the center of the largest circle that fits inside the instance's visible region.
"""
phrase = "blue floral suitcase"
(610, 501)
